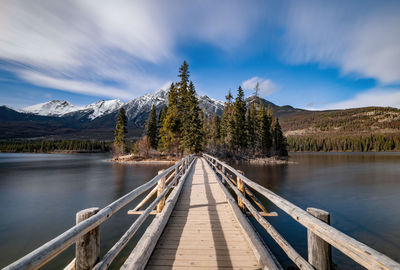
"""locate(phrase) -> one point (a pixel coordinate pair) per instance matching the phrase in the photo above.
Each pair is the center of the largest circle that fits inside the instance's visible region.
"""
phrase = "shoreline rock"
(134, 159)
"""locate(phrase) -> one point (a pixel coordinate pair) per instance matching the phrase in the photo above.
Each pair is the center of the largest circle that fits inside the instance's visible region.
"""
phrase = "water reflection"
(360, 190)
(119, 179)
(40, 194)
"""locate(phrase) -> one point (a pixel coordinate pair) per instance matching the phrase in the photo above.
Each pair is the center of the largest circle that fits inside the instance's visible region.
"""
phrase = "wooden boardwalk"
(202, 232)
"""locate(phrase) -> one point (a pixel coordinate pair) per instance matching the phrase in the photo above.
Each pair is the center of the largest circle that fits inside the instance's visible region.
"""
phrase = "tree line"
(45, 146)
(245, 132)
(363, 143)
(182, 127)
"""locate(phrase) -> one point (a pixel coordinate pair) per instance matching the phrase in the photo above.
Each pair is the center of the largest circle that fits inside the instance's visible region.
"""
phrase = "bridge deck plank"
(202, 232)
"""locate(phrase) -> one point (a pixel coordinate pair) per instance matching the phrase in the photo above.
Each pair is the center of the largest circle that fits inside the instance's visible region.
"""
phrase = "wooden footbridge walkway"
(202, 231)
(199, 224)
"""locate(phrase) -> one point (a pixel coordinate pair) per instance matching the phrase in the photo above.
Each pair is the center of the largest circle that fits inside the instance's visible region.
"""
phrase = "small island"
(242, 134)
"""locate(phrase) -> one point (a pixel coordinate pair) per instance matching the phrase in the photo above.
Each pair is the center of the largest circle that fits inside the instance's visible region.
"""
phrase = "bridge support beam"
(87, 251)
(319, 251)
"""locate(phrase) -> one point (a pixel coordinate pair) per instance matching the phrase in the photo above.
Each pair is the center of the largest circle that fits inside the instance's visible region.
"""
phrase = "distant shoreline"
(57, 152)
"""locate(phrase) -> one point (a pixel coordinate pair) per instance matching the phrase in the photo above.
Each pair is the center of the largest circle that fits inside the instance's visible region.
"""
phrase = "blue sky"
(308, 54)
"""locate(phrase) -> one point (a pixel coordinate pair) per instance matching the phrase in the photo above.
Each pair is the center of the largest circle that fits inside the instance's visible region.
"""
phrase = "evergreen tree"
(264, 137)
(152, 128)
(170, 129)
(279, 141)
(119, 132)
(226, 121)
(161, 116)
(239, 121)
(193, 126)
(252, 124)
(216, 130)
(184, 75)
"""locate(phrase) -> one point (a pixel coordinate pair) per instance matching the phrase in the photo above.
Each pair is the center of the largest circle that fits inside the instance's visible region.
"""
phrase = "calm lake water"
(40, 194)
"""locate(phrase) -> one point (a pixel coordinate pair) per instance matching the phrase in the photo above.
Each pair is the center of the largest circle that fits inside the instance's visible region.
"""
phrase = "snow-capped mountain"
(103, 107)
(61, 119)
(210, 105)
(137, 110)
(51, 108)
(62, 108)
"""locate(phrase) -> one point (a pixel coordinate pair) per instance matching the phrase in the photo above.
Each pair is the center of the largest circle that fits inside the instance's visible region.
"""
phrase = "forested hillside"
(363, 129)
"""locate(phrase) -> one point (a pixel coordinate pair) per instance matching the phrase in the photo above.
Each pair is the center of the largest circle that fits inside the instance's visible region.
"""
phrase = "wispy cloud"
(75, 45)
(360, 38)
(266, 86)
(373, 97)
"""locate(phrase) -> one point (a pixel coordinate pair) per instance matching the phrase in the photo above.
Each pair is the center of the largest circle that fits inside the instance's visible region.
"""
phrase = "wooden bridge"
(199, 224)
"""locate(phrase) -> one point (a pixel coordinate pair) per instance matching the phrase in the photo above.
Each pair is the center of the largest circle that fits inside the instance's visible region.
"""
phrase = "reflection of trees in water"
(119, 171)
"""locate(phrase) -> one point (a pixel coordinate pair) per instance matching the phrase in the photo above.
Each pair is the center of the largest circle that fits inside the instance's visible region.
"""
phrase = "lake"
(40, 194)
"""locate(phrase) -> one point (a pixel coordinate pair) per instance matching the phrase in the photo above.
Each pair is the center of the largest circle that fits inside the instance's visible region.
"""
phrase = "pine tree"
(152, 128)
(216, 130)
(279, 141)
(183, 102)
(192, 127)
(226, 121)
(119, 133)
(252, 124)
(264, 137)
(239, 121)
(161, 117)
(170, 128)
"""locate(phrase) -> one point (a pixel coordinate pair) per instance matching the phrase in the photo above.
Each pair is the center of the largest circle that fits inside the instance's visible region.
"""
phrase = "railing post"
(176, 174)
(160, 189)
(223, 172)
(319, 251)
(241, 187)
(87, 248)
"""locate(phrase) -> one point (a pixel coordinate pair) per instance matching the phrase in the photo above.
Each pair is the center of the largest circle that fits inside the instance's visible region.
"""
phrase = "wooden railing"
(85, 234)
(320, 234)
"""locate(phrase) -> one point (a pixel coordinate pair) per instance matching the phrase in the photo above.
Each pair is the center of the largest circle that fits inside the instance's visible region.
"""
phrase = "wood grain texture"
(140, 255)
(87, 247)
(202, 232)
(286, 247)
(319, 251)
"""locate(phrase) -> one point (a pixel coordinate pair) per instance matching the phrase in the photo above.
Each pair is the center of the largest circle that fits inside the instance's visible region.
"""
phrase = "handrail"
(287, 248)
(140, 255)
(359, 252)
(51, 249)
(114, 251)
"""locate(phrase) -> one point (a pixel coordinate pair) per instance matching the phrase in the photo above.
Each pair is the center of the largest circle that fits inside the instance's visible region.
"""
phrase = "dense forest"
(368, 120)
(46, 146)
(360, 129)
(182, 127)
(387, 142)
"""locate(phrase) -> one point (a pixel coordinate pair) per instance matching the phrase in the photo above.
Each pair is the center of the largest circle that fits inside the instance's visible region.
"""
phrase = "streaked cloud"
(73, 43)
(266, 86)
(360, 38)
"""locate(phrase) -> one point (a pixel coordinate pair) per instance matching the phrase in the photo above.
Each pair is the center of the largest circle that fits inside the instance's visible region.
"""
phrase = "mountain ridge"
(61, 119)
